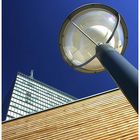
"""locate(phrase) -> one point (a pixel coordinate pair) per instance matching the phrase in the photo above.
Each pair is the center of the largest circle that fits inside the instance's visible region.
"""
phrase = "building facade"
(105, 116)
(30, 96)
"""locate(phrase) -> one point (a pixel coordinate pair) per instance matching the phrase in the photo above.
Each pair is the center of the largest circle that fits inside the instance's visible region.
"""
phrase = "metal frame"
(88, 6)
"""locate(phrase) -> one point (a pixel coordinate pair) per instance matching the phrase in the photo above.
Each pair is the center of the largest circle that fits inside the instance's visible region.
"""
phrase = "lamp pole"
(96, 24)
(124, 74)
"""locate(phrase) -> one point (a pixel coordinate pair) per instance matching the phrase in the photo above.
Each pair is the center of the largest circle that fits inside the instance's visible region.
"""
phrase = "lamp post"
(92, 39)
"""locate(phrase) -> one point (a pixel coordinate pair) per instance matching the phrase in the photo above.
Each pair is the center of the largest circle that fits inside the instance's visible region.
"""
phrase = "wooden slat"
(105, 117)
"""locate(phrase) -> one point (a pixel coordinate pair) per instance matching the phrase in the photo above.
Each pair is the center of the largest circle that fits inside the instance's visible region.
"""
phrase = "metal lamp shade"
(98, 22)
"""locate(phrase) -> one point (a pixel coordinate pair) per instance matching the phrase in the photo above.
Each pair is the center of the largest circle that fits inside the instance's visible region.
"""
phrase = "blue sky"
(30, 41)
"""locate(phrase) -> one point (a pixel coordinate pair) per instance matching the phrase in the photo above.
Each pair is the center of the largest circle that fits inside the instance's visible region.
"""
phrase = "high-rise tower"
(30, 96)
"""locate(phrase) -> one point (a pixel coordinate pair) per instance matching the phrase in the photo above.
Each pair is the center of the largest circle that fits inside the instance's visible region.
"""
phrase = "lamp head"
(84, 29)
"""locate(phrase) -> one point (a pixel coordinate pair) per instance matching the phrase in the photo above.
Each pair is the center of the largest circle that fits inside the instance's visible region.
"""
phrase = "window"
(28, 97)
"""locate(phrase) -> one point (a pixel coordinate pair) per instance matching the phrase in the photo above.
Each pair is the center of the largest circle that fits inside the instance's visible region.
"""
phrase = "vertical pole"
(124, 74)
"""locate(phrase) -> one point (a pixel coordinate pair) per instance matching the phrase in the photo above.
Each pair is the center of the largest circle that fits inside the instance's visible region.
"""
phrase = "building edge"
(75, 101)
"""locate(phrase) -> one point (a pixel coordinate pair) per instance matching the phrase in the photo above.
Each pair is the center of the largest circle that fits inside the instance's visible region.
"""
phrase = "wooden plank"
(105, 117)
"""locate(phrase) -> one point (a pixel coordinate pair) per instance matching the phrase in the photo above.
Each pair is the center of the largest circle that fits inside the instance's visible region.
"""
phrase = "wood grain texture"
(104, 117)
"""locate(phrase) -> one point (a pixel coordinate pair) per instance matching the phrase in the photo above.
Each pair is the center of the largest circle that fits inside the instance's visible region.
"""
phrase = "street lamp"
(92, 39)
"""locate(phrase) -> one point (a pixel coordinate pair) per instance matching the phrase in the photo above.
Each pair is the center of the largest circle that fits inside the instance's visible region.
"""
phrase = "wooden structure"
(107, 116)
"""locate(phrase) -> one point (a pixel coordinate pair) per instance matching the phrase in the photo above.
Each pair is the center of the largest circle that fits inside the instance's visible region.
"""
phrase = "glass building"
(30, 96)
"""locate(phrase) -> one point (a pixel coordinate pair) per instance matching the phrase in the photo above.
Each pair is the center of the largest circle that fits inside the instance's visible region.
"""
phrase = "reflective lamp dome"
(87, 27)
